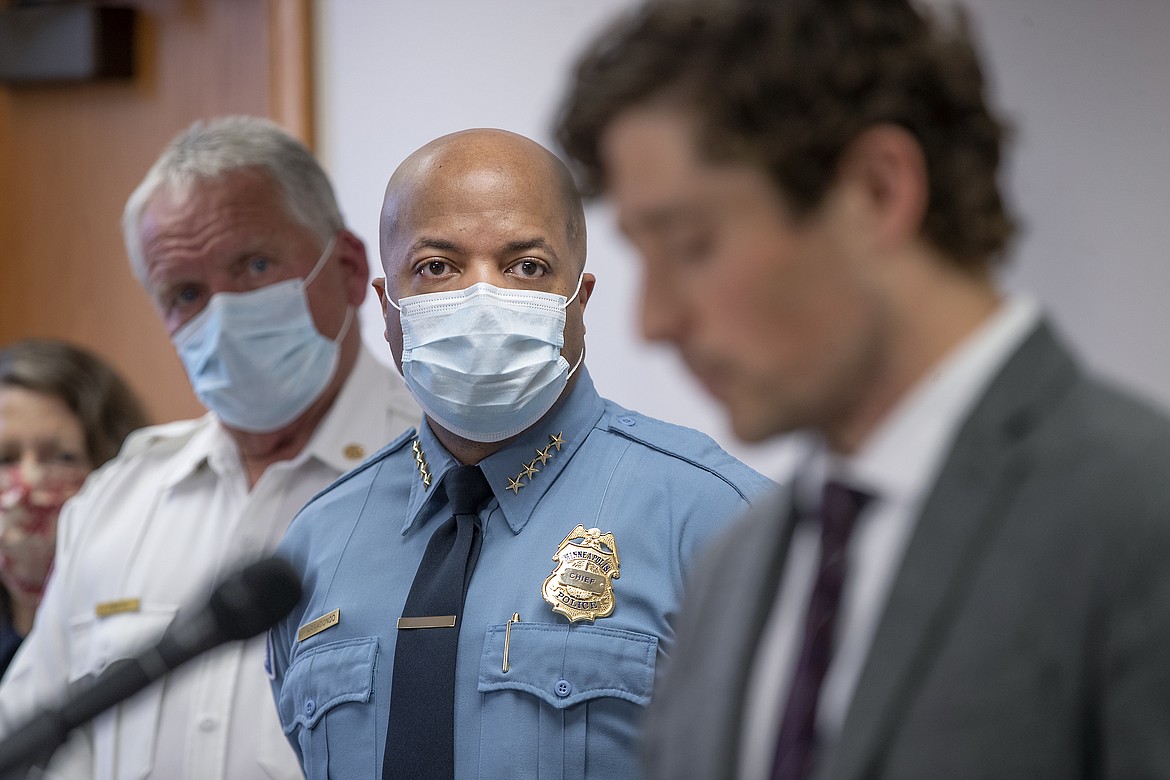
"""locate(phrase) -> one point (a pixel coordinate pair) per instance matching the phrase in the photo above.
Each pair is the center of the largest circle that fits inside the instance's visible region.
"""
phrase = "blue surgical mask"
(256, 358)
(485, 363)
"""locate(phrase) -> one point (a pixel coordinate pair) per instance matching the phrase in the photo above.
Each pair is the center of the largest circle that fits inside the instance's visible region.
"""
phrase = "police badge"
(581, 585)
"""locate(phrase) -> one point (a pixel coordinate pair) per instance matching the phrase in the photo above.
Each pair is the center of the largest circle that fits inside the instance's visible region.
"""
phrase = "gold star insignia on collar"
(423, 471)
(529, 470)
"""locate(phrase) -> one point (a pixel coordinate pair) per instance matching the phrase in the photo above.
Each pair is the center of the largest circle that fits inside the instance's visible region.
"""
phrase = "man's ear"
(379, 285)
(887, 166)
(587, 282)
(354, 265)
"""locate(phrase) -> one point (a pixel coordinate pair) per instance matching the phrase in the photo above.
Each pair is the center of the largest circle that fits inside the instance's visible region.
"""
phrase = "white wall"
(1087, 84)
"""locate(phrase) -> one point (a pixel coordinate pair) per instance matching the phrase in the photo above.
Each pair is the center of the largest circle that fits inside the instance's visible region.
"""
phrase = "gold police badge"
(581, 585)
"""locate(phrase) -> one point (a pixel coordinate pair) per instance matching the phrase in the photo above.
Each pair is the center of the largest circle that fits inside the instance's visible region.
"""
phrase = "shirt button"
(626, 420)
(310, 706)
(564, 688)
(208, 723)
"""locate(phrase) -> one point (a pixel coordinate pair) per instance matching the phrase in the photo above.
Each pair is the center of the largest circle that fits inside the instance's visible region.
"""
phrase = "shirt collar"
(356, 426)
(352, 428)
(900, 459)
(523, 471)
(206, 438)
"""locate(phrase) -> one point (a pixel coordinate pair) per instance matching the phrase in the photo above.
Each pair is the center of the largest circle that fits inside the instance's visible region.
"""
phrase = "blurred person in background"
(237, 239)
(63, 413)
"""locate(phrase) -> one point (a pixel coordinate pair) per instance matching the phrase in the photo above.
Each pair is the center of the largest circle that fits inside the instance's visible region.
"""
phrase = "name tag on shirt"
(314, 627)
(107, 608)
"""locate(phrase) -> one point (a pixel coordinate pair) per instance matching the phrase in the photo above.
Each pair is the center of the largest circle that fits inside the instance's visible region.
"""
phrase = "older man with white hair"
(237, 238)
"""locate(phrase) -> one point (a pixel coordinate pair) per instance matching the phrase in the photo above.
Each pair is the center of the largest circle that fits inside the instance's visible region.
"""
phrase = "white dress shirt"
(148, 534)
(897, 465)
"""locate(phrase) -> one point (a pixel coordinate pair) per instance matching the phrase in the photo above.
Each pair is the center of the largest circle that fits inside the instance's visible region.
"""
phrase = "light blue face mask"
(256, 358)
(485, 362)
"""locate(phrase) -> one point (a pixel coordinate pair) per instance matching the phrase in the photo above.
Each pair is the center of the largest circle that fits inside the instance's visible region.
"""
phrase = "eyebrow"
(510, 247)
(658, 219)
(532, 243)
(433, 243)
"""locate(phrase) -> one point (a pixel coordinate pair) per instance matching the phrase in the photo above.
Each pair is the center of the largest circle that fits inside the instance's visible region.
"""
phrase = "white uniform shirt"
(898, 465)
(150, 532)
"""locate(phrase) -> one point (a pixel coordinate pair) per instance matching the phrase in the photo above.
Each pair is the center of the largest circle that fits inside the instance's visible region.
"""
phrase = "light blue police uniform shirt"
(570, 704)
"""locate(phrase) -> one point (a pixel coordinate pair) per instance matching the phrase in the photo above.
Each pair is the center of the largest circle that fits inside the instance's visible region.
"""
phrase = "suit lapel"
(959, 519)
(759, 575)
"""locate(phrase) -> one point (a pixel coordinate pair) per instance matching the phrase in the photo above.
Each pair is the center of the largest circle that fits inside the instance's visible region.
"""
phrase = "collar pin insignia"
(424, 471)
(543, 456)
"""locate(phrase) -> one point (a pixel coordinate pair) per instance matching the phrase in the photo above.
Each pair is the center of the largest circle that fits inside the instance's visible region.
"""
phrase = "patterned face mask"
(28, 525)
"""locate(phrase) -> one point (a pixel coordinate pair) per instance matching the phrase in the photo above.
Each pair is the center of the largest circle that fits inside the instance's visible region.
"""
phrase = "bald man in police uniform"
(594, 515)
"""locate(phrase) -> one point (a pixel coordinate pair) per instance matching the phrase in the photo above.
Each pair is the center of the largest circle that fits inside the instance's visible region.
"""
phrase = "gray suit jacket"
(1027, 633)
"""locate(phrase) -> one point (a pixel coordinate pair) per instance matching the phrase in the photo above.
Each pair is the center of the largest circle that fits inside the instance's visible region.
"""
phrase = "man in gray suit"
(970, 574)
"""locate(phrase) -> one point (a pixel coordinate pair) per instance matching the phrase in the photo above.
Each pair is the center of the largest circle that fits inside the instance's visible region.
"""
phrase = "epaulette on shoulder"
(170, 435)
(403, 439)
(686, 444)
(373, 460)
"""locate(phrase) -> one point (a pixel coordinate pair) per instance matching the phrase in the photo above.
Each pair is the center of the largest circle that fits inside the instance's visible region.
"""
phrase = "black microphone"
(242, 605)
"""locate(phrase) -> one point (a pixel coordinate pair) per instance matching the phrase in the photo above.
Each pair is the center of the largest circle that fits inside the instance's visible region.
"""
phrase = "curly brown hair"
(787, 85)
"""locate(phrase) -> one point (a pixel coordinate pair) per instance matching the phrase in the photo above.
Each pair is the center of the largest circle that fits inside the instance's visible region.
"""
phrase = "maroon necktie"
(796, 745)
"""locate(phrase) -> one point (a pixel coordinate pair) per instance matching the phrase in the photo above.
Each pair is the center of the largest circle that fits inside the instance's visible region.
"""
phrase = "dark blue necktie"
(796, 745)
(420, 736)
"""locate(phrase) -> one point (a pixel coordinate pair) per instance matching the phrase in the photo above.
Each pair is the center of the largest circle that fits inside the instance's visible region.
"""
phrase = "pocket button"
(563, 688)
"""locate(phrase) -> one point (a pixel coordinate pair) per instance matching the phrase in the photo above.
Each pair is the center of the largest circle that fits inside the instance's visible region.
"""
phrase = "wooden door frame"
(291, 67)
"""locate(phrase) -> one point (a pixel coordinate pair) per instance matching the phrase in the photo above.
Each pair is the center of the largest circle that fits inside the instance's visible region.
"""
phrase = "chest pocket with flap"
(327, 700)
(568, 690)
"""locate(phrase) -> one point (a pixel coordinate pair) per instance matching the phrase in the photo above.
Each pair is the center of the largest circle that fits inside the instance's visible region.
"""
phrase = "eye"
(258, 266)
(434, 268)
(528, 268)
(183, 298)
(690, 249)
(63, 458)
